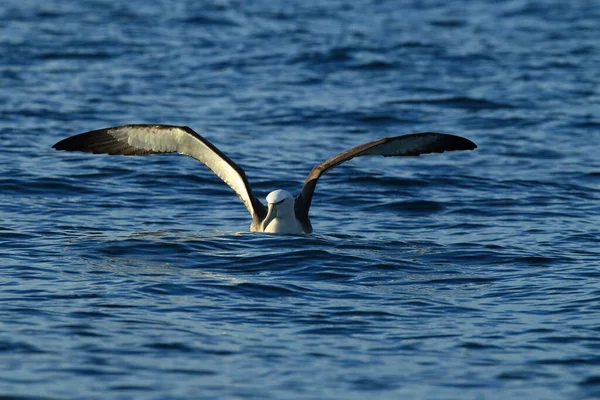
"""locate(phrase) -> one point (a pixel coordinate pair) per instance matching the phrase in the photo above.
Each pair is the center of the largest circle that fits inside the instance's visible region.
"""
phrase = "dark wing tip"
(61, 145)
(463, 143)
(416, 144)
(66, 145)
(87, 141)
(445, 142)
(100, 142)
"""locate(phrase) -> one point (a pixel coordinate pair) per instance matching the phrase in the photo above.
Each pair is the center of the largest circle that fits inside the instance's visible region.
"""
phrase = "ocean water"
(465, 275)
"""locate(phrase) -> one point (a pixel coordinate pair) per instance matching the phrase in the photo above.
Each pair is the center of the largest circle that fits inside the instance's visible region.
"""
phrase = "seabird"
(283, 213)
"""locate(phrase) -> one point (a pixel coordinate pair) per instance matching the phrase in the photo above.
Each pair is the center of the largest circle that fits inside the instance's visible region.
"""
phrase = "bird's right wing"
(406, 145)
(134, 140)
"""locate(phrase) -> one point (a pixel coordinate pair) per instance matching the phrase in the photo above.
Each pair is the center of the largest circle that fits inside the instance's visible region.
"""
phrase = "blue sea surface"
(463, 275)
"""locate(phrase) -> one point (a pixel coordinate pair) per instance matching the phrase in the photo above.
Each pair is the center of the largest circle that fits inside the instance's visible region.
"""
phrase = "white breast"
(284, 225)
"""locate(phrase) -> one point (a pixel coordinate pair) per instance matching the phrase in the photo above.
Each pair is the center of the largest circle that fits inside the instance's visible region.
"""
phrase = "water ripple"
(455, 275)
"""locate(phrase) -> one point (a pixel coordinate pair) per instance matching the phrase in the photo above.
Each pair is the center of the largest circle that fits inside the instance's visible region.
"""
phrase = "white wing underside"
(149, 139)
(176, 140)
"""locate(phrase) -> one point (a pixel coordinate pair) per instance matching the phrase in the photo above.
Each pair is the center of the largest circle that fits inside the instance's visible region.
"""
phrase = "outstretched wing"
(407, 145)
(137, 140)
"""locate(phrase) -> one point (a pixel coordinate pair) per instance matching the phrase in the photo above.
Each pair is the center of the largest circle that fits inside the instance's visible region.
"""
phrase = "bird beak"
(271, 214)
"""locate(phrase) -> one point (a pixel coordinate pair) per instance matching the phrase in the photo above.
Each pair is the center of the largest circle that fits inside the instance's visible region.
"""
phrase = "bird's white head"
(277, 196)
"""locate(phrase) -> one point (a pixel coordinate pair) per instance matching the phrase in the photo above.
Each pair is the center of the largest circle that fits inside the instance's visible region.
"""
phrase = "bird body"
(283, 213)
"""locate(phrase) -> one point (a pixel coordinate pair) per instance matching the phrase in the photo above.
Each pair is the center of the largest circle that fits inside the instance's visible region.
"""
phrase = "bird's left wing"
(406, 145)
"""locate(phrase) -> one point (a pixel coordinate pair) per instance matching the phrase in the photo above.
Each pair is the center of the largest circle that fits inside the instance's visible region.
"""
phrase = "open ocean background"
(466, 275)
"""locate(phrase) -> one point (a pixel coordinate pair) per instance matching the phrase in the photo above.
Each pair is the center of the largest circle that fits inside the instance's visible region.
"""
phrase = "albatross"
(283, 213)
